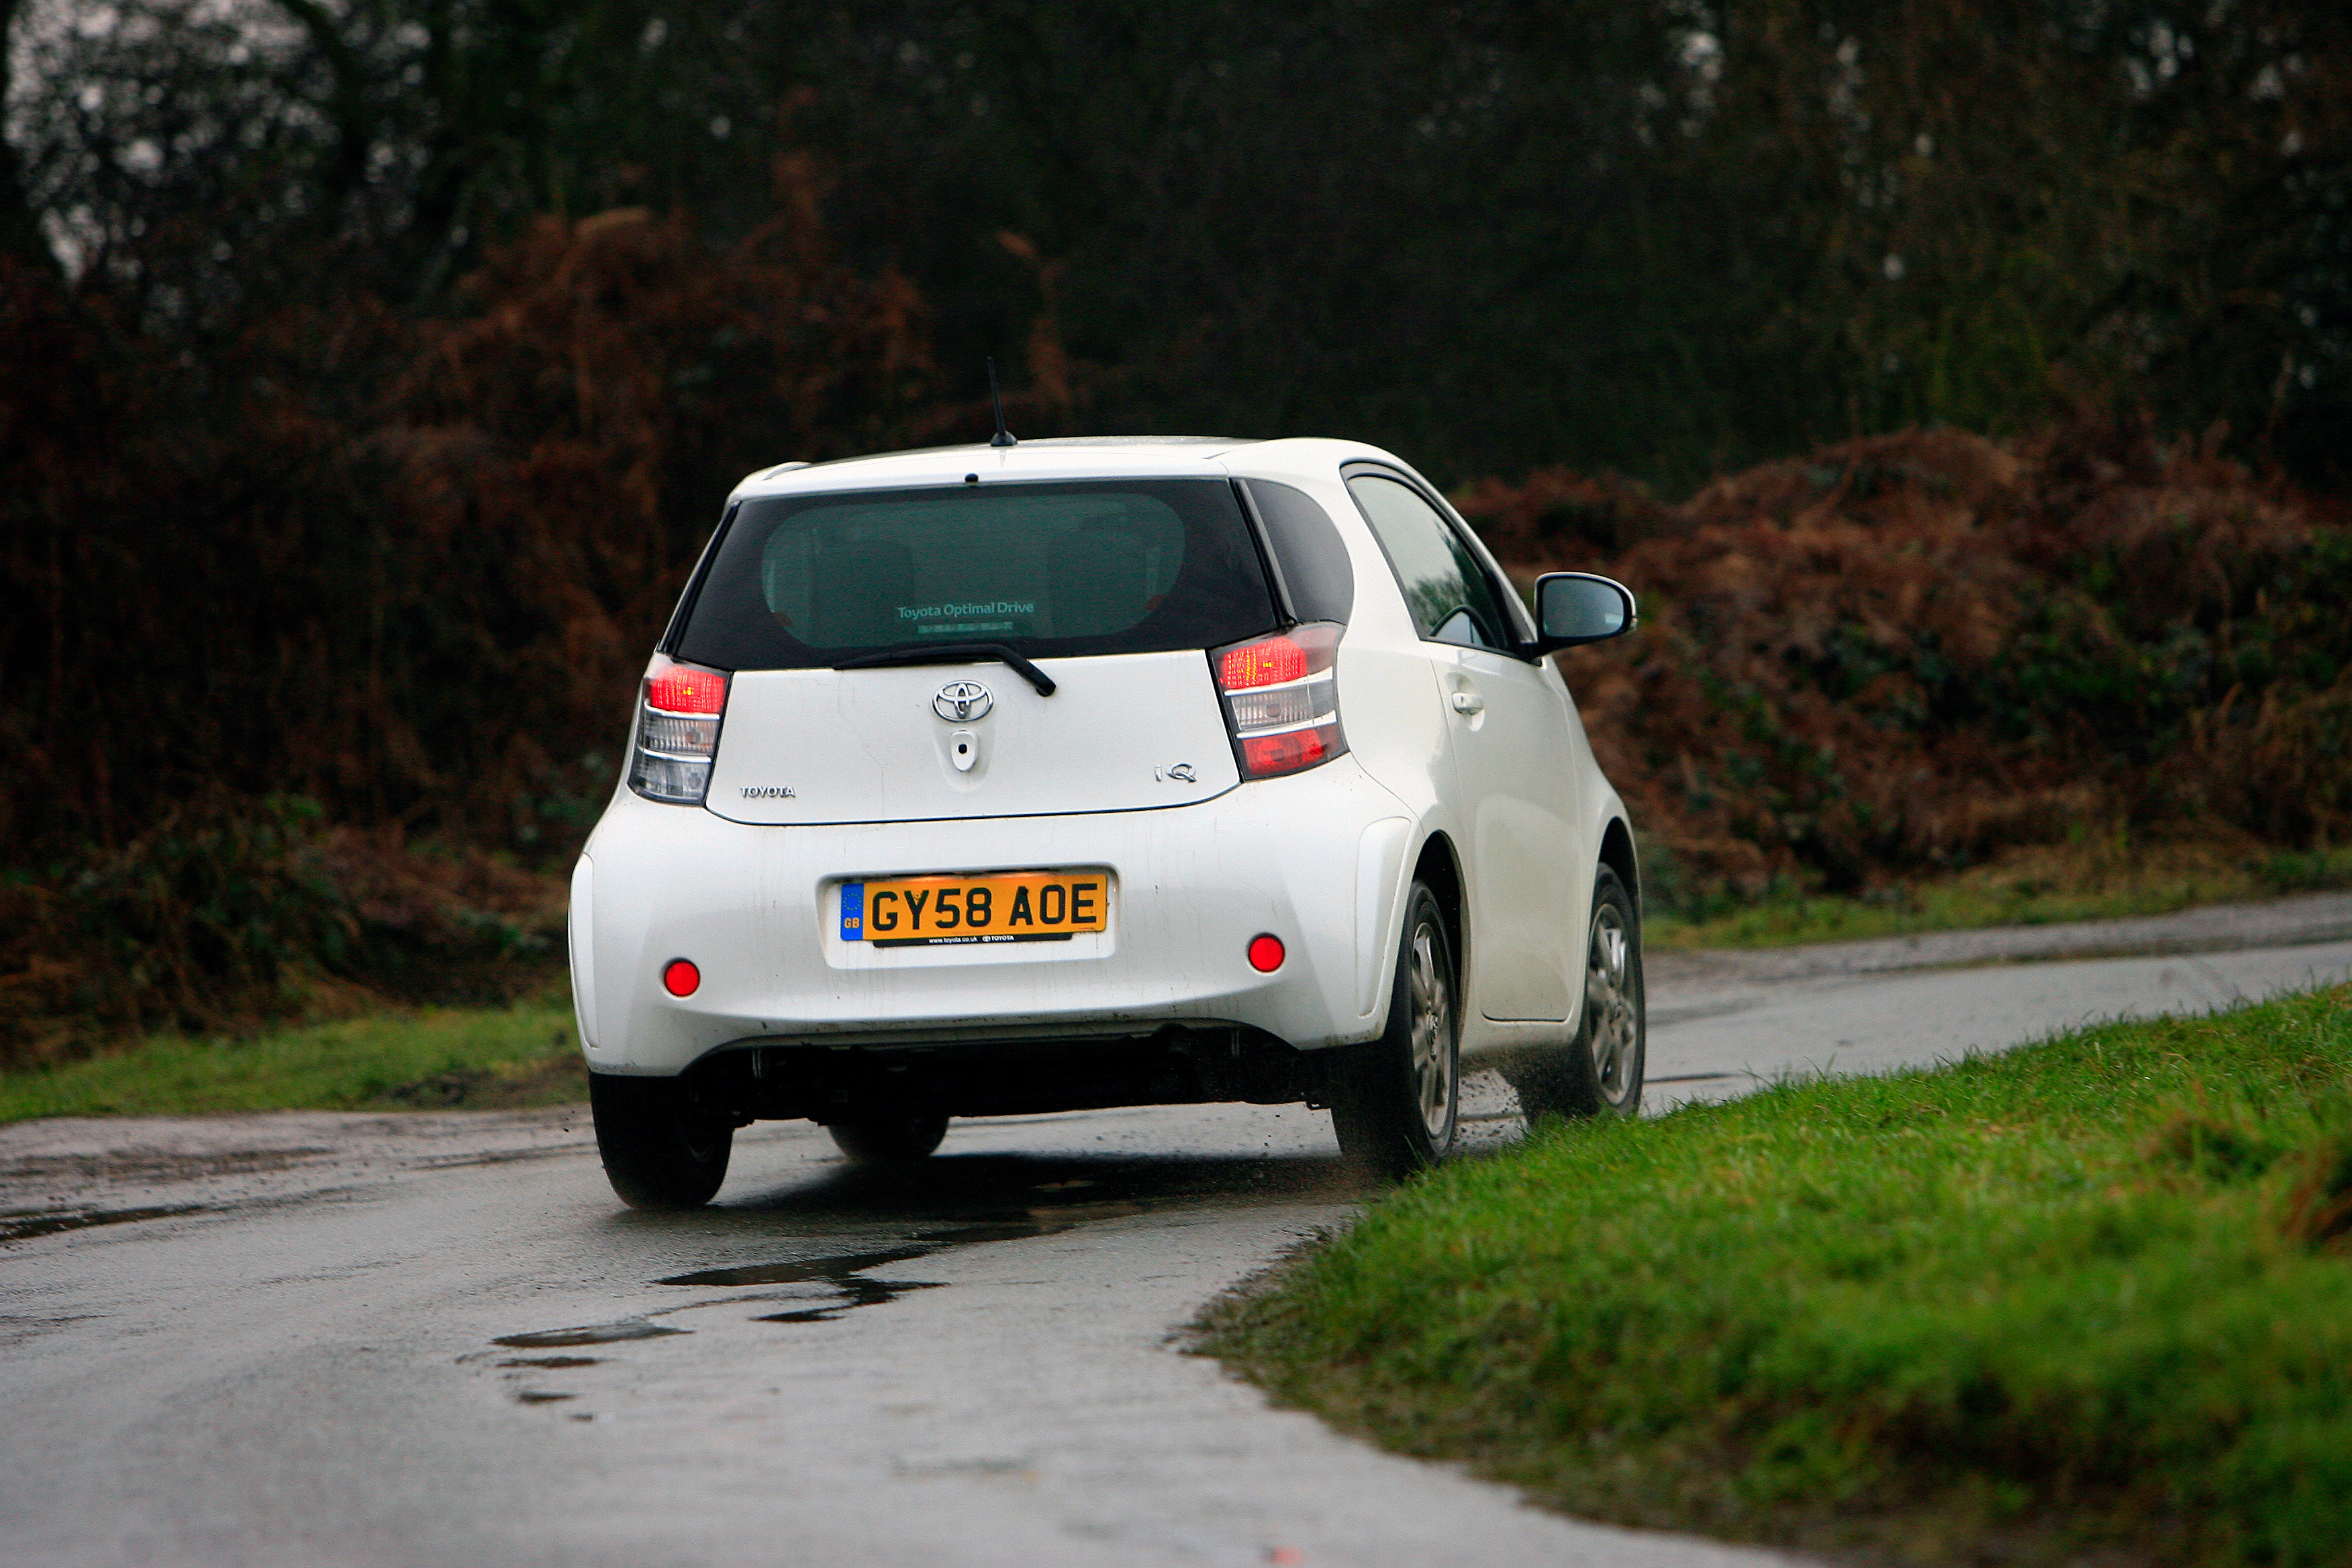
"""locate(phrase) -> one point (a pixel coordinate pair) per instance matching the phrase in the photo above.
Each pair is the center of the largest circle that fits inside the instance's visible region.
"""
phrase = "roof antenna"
(1002, 437)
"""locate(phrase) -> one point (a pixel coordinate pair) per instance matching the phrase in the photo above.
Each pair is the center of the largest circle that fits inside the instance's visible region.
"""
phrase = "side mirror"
(1573, 607)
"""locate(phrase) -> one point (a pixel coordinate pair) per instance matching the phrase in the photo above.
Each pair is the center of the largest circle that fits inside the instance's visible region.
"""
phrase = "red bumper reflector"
(1284, 753)
(681, 978)
(1265, 953)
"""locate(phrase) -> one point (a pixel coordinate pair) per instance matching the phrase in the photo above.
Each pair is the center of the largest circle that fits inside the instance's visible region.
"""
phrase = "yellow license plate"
(1019, 906)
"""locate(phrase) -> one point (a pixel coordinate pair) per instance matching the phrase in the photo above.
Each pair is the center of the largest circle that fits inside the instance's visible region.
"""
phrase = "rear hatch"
(1108, 591)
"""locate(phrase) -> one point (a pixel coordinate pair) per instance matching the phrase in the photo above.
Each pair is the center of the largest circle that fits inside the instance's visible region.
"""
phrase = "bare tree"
(20, 225)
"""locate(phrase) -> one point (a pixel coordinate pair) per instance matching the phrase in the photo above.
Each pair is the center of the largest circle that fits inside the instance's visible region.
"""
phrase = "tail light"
(1282, 699)
(677, 733)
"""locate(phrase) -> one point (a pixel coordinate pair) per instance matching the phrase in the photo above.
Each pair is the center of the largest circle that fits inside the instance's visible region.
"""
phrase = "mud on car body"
(990, 781)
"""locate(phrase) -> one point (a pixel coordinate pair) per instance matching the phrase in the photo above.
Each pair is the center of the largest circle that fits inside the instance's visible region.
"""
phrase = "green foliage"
(227, 913)
(2093, 1293)
(433, 1060)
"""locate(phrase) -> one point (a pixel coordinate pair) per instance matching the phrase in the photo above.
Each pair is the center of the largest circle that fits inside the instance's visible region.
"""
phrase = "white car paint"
(1504, 781)
(885, 767)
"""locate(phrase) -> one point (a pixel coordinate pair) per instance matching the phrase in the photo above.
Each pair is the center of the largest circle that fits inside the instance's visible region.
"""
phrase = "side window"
(1450, 597)
(1314, 557)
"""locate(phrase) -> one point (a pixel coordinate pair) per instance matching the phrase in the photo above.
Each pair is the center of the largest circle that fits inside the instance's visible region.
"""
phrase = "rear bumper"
(1318, 860)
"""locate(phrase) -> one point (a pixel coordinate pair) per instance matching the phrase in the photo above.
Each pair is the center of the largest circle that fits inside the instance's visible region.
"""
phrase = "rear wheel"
(1599, 1072)
(888, 1140)
(661, 1150)
(1398, 1098)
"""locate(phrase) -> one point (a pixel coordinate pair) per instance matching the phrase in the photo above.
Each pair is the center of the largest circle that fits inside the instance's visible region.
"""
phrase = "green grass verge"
(2033, 887)
(2089, 1296)
(431, 1059)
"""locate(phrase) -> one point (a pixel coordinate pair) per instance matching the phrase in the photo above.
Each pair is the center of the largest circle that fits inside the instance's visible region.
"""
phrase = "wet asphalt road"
(436, 1339)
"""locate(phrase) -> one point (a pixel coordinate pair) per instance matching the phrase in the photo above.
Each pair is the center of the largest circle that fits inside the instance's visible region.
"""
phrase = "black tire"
(1599, 1072)
(1398, 1099)
(888, 1140)
(661, 1150)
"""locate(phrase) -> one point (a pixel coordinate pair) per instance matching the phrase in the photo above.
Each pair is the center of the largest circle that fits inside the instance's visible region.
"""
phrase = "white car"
(1066, 774)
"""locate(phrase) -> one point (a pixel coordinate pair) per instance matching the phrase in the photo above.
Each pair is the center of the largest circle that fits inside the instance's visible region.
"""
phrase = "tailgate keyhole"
(963, 746)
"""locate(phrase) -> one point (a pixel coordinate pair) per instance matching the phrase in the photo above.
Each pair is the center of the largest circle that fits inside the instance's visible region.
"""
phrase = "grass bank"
(433, 1058)
(2092, 1296)
(2039, 885)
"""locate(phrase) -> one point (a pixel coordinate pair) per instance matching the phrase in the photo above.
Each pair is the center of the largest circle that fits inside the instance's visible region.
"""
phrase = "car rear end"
(983, 781)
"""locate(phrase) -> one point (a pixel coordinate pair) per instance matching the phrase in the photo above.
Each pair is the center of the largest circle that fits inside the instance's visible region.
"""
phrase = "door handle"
(1469, 702)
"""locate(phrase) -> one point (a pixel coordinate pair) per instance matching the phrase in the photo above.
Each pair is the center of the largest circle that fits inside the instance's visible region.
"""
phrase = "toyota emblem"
(961, 702)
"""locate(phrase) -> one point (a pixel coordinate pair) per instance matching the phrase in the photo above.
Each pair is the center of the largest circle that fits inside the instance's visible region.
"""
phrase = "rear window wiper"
(955, 653)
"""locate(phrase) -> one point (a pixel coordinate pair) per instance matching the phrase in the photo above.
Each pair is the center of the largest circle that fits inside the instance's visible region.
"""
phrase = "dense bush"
(229, 912)
(402, 567)
(404, 570)
(1906, 652)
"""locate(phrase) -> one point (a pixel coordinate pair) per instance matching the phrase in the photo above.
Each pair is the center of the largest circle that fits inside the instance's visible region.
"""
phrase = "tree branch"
(20, 225)
(355, 125)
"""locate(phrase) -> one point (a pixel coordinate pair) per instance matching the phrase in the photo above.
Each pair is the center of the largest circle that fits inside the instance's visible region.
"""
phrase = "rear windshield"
(1049, 570)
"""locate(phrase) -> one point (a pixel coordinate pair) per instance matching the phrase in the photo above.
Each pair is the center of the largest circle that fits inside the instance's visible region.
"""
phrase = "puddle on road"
(854, 1292)
(975, 1234)
(1061, 1217)
(1050, 1221)
(542, 1396)
(589, 1334)
(845, 1272)
(555, 1363)
(842, 1276)
(800, 1271)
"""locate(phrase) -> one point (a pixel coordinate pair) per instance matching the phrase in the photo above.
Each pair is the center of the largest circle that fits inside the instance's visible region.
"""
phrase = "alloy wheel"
(1434, 1079)
(1608, 1003)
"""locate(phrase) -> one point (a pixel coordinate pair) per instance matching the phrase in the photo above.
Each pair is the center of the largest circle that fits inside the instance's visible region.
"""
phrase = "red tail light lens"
(1282, 699)
(681, 689)
(677, 733)
(1267, 663)
(1265, 953)
(680, 978)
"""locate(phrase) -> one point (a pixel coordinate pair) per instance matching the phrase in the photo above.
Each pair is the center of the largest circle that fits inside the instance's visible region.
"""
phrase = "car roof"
(1069, 457)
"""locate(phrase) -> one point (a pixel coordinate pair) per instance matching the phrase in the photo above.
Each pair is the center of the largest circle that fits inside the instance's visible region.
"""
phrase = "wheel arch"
(1440, 867)
(1618, 854)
